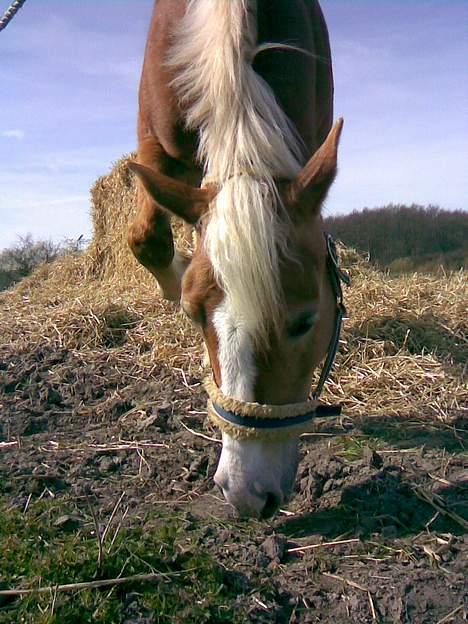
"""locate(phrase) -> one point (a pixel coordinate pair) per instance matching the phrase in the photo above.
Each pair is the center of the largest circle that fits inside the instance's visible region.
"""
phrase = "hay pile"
(403, 350)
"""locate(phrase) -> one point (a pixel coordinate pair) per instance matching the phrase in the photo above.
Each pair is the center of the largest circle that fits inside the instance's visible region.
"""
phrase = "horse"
(235, 137)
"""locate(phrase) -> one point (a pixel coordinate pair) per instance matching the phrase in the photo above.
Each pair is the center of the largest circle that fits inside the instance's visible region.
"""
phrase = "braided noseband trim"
(238, 432)
(263, 429)
(256, 410)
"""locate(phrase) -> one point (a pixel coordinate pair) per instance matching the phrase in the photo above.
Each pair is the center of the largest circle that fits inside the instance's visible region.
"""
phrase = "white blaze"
(235, 354)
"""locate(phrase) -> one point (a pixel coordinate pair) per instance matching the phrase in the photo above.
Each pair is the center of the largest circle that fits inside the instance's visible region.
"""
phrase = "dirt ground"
(382, 501)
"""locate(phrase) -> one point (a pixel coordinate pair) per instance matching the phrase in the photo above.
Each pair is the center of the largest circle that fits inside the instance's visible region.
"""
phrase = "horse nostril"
(272, 503)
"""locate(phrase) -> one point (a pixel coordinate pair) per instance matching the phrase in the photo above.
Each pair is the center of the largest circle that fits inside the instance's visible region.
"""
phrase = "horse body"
(238, 94)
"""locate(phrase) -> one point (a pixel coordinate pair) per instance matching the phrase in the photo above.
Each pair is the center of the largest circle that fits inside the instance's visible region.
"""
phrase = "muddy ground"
(78, 427)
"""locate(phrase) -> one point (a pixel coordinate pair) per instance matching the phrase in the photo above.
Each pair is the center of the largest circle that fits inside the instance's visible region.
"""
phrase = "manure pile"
(102, 409)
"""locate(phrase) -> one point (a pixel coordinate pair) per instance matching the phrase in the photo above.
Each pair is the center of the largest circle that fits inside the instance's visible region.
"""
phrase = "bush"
(27, 254)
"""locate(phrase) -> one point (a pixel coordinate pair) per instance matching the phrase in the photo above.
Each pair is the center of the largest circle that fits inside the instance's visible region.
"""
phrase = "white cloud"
(13, 134)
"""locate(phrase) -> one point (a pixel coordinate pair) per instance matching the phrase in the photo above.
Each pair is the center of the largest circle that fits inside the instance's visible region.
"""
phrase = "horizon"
(70, 104)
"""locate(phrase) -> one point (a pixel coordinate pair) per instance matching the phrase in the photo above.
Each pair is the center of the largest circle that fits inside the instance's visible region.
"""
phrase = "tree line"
(403, 237)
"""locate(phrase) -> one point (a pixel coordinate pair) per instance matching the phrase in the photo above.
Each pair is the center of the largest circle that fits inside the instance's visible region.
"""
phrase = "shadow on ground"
(398, 433)
(386, 505)
(417, 334)
(402, 433)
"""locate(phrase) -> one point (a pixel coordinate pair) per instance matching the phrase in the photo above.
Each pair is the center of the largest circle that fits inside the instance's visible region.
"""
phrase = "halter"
(243, 419)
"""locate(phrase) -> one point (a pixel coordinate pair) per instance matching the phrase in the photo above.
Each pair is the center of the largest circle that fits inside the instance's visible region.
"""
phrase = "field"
(107, 459)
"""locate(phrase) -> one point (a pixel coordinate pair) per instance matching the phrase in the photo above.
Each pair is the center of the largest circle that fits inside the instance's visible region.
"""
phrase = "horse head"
(264, 304)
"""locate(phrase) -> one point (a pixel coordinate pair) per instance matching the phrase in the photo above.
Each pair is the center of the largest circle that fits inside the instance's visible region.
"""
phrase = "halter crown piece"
(241, 419)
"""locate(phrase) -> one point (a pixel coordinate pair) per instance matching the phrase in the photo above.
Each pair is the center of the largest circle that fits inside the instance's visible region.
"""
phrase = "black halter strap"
(336, 276)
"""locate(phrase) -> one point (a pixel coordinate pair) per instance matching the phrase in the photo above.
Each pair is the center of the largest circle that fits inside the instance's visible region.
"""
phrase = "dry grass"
(403, 349)
(405, 345)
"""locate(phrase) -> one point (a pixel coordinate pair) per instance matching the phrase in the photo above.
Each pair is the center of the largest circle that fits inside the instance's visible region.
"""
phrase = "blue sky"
(69, 72)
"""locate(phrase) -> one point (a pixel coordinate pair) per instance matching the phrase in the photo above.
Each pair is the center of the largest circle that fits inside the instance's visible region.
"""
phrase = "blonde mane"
(245, 141)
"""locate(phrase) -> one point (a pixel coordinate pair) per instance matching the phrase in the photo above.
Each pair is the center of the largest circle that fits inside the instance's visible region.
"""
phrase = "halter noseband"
(242, 419)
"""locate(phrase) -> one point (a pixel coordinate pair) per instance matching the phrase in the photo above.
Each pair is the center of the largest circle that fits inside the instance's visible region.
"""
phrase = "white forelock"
(245, 141)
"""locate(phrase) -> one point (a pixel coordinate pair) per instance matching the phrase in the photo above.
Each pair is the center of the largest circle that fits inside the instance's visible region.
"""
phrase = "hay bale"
(113, 202)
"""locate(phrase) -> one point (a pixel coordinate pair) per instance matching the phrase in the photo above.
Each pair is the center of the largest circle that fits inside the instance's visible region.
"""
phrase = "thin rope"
(10, 13)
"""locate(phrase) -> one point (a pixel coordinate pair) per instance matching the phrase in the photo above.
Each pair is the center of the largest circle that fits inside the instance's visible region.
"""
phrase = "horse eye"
(301, 325)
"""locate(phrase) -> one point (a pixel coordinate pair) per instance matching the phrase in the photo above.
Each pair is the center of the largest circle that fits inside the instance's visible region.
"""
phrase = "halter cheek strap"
(337, 276)
(242, 419)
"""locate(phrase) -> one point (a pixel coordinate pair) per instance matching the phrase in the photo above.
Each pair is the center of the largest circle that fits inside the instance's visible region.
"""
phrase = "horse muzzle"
(257, 476)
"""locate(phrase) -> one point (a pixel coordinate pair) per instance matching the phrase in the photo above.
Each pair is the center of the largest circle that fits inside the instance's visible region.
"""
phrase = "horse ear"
(184, 201)
(313, 182)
